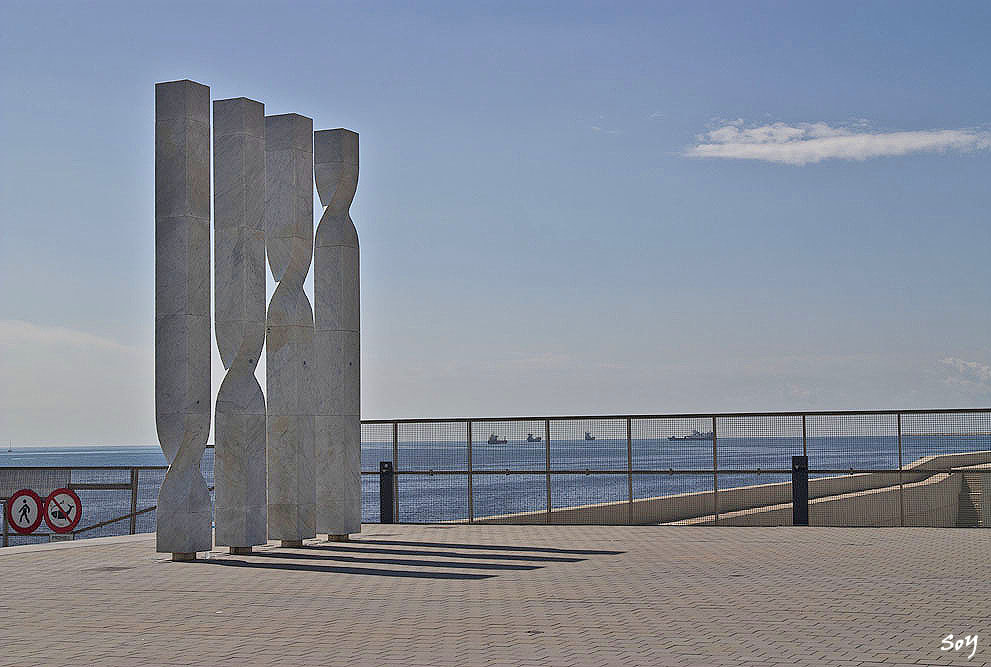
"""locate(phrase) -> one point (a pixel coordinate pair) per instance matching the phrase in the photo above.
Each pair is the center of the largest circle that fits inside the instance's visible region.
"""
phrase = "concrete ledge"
(689, 506)
(933, 502)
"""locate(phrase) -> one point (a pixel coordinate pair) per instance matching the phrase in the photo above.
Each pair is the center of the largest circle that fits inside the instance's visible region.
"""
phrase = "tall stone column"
(182, 313)
(239, 306)
(289, 351)
(335, 289)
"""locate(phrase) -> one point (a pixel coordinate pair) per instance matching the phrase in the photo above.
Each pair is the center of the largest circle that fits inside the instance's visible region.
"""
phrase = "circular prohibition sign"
(63, 509)
(24, 511)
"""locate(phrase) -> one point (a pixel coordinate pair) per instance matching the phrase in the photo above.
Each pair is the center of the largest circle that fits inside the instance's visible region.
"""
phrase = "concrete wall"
(767, 497)
(933, 502)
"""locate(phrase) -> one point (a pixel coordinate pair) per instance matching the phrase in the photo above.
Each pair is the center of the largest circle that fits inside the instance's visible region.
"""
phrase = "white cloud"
(19, 332)
(596, 128)
(967, 372)
(805, 143)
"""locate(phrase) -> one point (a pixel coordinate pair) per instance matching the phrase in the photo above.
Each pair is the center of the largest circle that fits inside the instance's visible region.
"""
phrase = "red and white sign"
(24, 511)
(63, 509)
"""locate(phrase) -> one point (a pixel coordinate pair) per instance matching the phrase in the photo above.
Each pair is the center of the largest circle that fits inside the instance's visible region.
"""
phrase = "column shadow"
(396, 561)
(499, 547)
(332, 569)
(440, 554)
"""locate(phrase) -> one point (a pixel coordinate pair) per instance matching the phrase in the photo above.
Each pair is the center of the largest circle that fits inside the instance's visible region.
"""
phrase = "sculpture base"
(240, 551)
(338, 538)
(292, 544)
(183, 557)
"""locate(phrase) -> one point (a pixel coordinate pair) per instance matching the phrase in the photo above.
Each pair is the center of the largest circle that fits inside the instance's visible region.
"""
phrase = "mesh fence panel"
(765, 442)
(428, 454)
(512, 445)
(864, 445)
(523, 497)
(941, 440)
(591, 456)
(672, 443)
(861, 441)
(932, 434)
(149, 482)
(376, 446)
(100, 507)
(675, 498)
(754, 455)
(107, 495)
(865, 469)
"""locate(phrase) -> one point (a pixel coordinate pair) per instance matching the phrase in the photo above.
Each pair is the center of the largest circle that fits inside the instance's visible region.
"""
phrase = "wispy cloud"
(596, 128)
(806, 143)
(967, 372)
(19, 332)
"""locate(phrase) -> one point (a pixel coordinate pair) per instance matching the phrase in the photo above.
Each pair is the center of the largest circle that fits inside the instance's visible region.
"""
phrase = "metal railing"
(867, 467)
(107, 511)
(889, 467)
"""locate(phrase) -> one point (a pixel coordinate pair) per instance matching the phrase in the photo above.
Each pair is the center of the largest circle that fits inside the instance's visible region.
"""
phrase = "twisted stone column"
(239, 306)
(289, 349)
(335, 289)
(182, 313)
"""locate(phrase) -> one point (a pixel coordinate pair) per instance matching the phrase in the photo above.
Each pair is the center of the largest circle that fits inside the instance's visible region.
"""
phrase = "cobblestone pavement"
(509, 595)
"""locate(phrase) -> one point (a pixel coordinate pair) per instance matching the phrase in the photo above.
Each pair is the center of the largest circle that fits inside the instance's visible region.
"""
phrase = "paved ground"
(509, 595)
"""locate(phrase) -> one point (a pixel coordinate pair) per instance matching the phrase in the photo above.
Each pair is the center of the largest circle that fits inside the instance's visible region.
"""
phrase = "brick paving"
(509, 595)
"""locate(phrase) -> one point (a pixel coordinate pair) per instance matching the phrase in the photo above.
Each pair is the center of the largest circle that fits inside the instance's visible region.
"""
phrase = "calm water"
(427, 497)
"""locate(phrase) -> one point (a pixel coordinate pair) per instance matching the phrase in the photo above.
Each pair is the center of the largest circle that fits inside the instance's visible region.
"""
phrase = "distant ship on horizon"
(589, 436)
(696, 435)
(531, 438)
(496, 440)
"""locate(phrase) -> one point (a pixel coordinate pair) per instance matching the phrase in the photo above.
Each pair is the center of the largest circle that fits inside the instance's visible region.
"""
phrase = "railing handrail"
(84, 467)
(685, 415)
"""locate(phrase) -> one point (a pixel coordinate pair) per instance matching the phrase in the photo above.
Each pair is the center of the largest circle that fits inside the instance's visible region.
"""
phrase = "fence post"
(715, 475)
(471, 500)
(799, 490)
(629, 469)
(5, 533)
(901, 489)
(134, 500)
(386, 486)
(547, 465)
(805, 444)
(395, 467)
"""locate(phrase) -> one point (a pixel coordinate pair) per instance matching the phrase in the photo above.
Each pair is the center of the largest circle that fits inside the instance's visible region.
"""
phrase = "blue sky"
(565, 208)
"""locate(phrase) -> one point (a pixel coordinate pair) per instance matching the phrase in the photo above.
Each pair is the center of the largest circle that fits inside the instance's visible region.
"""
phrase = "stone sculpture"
(182, 313)
(289, 349)
(239, 307)
(335, 288)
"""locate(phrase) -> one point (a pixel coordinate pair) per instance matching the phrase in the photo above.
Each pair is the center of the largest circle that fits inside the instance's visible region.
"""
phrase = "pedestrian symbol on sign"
(24, 511)
(23, 517)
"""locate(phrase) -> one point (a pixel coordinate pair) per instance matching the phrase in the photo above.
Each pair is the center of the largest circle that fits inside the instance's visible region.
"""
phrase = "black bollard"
(386, 486)
(800, 490)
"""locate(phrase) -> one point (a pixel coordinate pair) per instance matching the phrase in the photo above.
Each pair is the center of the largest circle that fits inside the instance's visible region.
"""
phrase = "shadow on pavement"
(499, 547)
(330, 569)
(396, 561)
(438, 554)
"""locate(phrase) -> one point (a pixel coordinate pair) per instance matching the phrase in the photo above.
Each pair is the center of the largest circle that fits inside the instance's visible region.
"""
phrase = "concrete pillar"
(182, 313)
(239, 307)
(335, 288)
(289, 340)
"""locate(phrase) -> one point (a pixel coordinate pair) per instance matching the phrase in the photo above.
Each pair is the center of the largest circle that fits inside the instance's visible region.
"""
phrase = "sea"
(507, 478)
